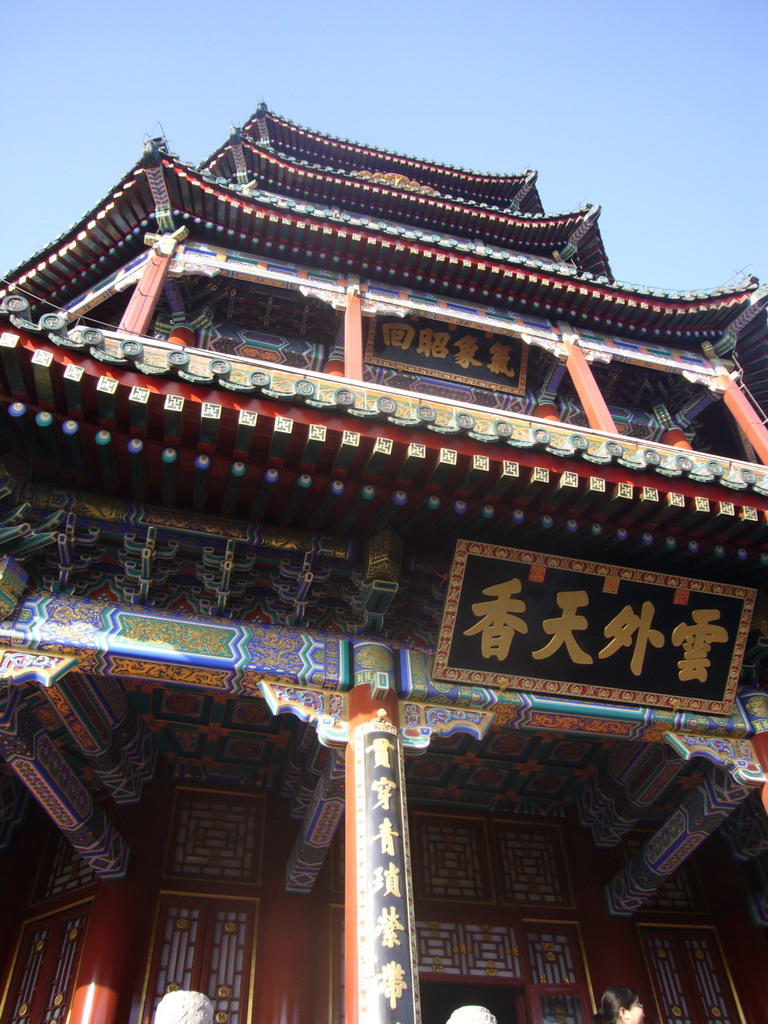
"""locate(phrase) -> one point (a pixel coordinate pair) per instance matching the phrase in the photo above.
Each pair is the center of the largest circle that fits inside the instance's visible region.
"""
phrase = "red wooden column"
(745, 415)
(143, 302)
(353, 335)
(675, 438)
(183, 335)
(106, 972)
(120, 921)
(546, 411)
(381, 980)
(584, 381)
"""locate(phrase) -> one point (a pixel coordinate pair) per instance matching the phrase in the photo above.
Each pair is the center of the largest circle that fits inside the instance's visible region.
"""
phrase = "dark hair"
(615, 999)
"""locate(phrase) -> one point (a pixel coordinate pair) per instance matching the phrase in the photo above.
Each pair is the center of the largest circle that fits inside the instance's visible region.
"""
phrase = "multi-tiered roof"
(237, 475)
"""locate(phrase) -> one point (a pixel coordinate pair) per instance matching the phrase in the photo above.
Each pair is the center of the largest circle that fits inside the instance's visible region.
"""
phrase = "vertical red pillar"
(120, 922)
(676, 438)
(291, 958)
(745, 415)
(20, 864)
(143, 302)
(353, 336)
(183, 335)
(589, 393)
(115, 933)
(741, 941)
(546, 411)
(609, 943)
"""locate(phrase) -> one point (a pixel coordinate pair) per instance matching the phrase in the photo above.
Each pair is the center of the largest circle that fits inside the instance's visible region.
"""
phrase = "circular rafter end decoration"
(578, 442)
(92, 337)
(132, 350)
(502, 429)
(684, 463)
(16, 305)
(54, 323)
(344, 397)
(221, 369)
(651, 457)
(426, 414)
(614, 449)
(305, 388)
(715, 468)
(465, 421)
(178, 360)
(259, 379)
(386, 405)
(748, 476)
(541, 436)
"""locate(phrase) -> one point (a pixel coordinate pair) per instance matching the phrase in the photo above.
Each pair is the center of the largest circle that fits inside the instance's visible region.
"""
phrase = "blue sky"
(654, 110)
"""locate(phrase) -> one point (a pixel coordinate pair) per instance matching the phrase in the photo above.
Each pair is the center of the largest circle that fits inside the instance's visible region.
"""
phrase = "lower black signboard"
(568, 627)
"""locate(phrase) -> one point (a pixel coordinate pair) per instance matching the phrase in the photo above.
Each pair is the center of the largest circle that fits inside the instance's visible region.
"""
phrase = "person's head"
(619, 1005)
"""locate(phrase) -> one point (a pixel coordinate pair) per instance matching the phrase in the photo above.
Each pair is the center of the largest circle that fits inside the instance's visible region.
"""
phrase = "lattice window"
(670, 982)
(181, 929)
(532, 866)
(217, 836)
(451, 859)
(56, 1006)
(41, 987)
(204, 945)
(561, 1009)
(439, 946)
(34, 954)
(469, 950)
(707, 970)
(689, 974)
(65, 870)
(225, 978)
(493, 952)
(554, 955)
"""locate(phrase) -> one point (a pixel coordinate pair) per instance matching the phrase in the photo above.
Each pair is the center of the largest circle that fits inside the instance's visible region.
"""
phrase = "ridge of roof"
(578, 214)
(263, 110)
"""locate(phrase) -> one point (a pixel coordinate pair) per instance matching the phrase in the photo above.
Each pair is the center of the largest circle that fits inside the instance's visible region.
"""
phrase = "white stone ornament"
(471, 1015)
(184, 1008)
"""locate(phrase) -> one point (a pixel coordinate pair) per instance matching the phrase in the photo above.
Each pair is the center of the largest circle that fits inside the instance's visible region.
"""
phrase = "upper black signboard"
(450, 351)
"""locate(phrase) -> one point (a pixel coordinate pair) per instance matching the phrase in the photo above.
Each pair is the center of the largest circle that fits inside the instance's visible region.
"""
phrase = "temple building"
(384, 620)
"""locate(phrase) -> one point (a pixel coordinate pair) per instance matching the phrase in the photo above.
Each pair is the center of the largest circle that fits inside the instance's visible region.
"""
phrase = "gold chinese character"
(467, 347)
(385, 835)
(562, 628)
(498, 623)
(388, 880)
(433, 343)
(397, 335)
(383, 790)
(696, 638)
(623, 627)
(381, 748)
(392, 982)
(387, 926)
(499, 362)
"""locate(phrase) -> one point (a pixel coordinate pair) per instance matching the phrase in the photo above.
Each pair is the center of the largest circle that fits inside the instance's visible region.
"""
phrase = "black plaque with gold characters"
(567, 627)
(385, 924)
(449, 351)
